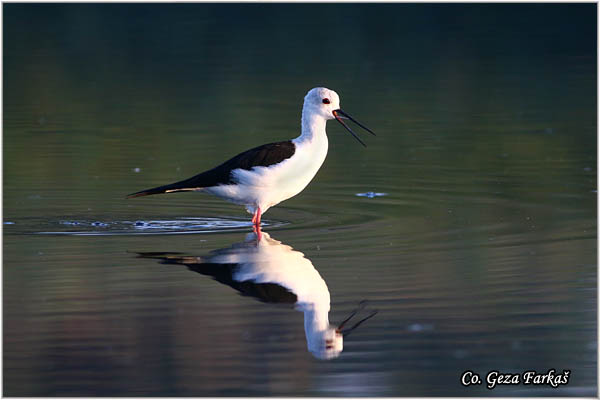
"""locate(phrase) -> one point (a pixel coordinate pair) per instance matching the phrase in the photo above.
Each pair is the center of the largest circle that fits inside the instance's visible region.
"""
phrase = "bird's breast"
(296, 172)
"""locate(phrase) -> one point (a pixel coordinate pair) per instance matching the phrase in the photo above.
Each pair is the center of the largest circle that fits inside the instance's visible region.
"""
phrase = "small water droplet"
(8, 223)
(136, 169)
(69, 223)
(371, 194)
(416, 327)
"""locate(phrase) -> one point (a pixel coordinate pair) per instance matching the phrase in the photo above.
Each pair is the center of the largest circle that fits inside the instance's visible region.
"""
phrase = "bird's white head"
(322, 101)
(325, 103)
(326, 344)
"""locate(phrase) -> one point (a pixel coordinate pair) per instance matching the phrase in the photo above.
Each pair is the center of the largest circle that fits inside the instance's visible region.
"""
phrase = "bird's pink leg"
(259, 215)
(256, 217)
(256, 223)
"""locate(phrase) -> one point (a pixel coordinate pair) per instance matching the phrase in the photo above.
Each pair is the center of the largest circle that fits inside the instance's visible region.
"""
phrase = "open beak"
(347, 331)
(339, 115)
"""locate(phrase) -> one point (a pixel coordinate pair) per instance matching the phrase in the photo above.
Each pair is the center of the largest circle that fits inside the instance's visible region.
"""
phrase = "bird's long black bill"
(347, 331)
(338, 114)
(360, 307)
(341, 112)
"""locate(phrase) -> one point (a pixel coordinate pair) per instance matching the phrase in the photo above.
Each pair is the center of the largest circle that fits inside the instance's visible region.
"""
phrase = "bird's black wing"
(266, 292)
(262, 156)
(223, 273)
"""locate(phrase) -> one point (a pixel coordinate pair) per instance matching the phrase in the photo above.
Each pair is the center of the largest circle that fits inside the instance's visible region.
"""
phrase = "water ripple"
(176, 226)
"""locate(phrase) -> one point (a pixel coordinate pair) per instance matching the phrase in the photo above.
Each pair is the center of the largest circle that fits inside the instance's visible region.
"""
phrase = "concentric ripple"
(176, 226)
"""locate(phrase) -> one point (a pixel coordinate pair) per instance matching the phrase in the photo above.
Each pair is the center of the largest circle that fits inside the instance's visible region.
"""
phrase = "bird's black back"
(261, 156)
(267, 292)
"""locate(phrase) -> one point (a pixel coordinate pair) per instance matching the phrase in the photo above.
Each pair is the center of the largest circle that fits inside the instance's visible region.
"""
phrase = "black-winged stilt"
(266, 175)
(273, 272)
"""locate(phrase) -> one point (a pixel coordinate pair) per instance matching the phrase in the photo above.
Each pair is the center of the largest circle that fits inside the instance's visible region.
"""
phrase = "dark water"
(481, 256)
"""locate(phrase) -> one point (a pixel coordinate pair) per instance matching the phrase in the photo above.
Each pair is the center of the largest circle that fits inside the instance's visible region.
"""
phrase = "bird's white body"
(264, 187)
(270, 261)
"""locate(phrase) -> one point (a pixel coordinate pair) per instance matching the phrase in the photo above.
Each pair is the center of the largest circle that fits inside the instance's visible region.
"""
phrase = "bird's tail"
(182, 186)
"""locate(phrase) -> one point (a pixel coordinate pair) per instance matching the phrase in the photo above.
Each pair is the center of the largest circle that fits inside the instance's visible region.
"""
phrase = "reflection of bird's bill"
(341, 115)
(360, 307)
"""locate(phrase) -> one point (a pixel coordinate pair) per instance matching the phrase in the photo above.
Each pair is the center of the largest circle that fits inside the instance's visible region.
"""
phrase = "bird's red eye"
(326, 101)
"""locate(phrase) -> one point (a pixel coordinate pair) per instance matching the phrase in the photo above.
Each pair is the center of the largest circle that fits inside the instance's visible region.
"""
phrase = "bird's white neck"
(313, 127)
(316, 319)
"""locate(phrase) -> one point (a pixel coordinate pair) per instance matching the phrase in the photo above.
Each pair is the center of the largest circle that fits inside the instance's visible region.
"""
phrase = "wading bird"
(273, 272)
(269, 174)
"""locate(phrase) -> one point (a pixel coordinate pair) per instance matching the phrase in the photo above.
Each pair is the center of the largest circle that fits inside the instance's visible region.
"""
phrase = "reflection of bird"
(274, 273)
(266, 175)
